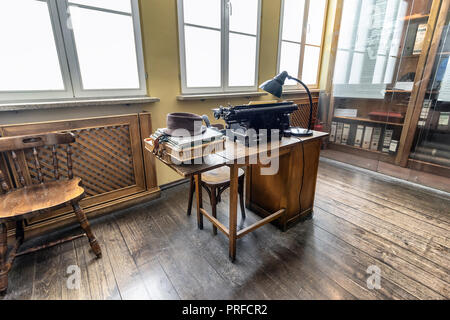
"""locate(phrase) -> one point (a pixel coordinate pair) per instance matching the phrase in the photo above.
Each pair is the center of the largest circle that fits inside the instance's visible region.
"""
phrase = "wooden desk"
(272, 196)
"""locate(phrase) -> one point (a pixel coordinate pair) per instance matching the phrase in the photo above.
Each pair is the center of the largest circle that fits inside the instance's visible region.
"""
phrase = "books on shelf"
(345, 133)
(359, 136)
(393, 146)
(443, 123)
(333, 131)
(341, 112)
(424, 113)
(339, 131)
(420, 37)
(367, 137)
(375, 139)
(387, 140)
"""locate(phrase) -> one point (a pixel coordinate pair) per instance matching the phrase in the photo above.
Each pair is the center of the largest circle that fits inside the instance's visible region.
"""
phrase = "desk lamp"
(275, 87)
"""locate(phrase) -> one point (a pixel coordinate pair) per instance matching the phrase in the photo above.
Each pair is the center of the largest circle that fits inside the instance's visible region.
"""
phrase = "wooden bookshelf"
(409, 102)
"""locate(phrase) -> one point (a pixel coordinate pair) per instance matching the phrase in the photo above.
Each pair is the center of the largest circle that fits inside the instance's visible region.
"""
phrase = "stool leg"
(241, 196)
(82, 219)
(3, 251)
(191, 195)
(214, 206)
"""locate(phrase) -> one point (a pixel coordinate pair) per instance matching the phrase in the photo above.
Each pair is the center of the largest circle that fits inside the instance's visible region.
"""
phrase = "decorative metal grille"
(102, 158)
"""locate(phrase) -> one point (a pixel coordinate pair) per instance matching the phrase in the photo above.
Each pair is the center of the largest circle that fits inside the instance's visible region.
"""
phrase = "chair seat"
(35, 198)
(219, 176)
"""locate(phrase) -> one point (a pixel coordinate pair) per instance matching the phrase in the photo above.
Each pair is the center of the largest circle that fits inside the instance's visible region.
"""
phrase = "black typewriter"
(254, 123)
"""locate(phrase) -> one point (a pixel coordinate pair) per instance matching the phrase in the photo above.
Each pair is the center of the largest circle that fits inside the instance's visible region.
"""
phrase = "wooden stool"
(30, 200)
(215, 182)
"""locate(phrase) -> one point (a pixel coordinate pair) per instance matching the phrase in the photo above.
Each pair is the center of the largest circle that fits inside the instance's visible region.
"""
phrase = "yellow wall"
(160, 37)
(160, 42)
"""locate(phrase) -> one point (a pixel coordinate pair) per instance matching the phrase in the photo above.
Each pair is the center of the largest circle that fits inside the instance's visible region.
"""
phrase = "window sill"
(187, 97)
(298, 92)
(56, 104)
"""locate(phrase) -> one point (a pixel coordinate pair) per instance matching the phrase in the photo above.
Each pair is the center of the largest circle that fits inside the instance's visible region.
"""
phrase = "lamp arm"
(310, 99)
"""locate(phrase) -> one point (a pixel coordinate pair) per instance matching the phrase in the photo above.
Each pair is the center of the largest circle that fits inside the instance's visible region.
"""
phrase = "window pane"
(389, 23)
(244, 16)
(289, 60)
(203, 12)
(106, 49)
(390, 70)
(117, 5)
(28, 55)
(203, 55)
(357, 68)
(340, 69)
(396, 38)
(311, 65)
(316, 16)
(242, 60)
(348, 24)
(378, 73)
(293, 20)
(364, 26)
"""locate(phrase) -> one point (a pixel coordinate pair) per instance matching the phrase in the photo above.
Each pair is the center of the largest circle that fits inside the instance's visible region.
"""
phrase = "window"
(301, 36)
(219, 45)
(368, 47)
(70, 49)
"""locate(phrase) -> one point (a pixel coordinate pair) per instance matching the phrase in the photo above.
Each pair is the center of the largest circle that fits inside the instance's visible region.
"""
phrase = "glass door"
(431, 145)
(378, 64)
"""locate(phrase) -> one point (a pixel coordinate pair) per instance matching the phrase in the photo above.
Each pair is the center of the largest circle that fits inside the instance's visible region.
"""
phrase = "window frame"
(24, 95)
(224, 52)
(69, 65)
(302, 45)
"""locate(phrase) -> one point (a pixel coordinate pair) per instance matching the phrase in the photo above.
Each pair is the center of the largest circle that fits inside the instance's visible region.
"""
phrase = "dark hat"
(190, 122)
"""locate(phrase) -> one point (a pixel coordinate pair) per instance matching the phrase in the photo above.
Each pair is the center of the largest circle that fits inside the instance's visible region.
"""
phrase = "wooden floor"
(154, 251)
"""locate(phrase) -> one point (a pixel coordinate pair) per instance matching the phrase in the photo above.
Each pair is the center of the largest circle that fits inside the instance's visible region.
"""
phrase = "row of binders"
(366, 137)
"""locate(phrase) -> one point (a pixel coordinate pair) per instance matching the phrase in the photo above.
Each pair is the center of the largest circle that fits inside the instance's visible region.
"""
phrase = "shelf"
(369, 120)
(358, 148)
(416, 16)
(398, 91)
(410, 56)
(361, 152)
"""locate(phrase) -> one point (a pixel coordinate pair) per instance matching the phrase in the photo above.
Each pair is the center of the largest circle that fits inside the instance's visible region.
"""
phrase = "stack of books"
(375, 138)
(177, 150)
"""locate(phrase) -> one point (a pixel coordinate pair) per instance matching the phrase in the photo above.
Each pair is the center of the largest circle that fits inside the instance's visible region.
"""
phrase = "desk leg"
(198, 195)
(233, 209)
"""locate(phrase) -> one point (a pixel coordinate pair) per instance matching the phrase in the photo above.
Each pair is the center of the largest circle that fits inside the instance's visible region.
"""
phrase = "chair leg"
(191, 195)
(82, 219)
(213, 195)
(20, 234)
(241, 196)
(3, 251)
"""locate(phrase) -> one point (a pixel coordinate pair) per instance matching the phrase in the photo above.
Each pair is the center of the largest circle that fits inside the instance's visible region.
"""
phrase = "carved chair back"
(12, 145)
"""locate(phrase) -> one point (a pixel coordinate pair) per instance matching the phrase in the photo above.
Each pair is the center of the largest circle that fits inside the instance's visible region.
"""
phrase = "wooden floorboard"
(155, 251)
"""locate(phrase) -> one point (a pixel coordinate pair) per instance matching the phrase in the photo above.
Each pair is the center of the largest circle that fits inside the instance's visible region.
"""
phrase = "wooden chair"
(215, 182)
(30, 200)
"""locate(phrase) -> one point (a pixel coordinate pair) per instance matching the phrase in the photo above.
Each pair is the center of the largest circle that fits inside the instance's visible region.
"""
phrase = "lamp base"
(300, 132)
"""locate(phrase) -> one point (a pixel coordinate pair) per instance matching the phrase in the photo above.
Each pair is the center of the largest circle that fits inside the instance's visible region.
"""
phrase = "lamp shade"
(275, 85)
